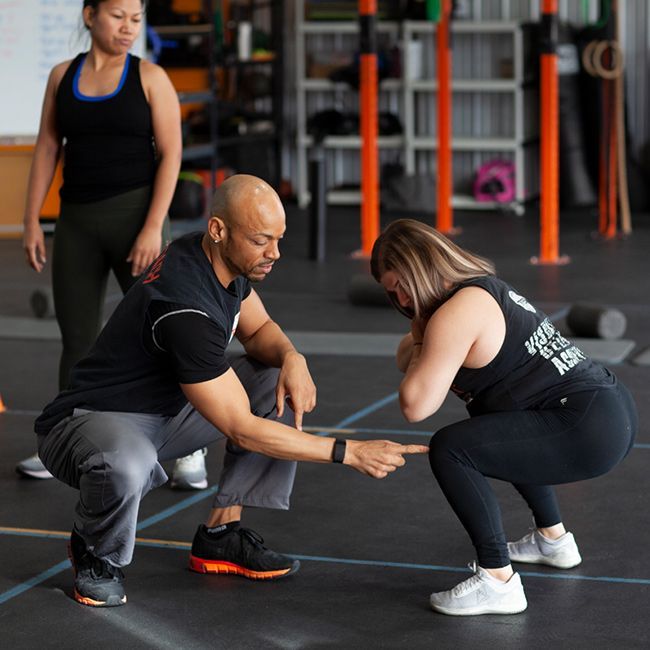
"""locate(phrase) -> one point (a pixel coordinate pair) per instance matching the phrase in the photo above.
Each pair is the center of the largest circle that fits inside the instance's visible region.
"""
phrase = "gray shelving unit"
(494, 108)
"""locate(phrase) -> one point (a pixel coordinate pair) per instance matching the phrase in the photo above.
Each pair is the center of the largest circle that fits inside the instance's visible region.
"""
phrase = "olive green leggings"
(91, 239)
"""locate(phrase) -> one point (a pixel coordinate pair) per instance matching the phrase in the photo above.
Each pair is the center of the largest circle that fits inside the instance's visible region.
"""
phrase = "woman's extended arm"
(166, 118)
(467, 330)
(46, 155)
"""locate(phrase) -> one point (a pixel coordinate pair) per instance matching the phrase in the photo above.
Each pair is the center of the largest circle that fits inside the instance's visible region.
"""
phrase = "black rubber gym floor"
(371, 551)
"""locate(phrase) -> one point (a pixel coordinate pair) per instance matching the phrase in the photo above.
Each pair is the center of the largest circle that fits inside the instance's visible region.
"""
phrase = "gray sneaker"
(96, 582)
(534, 548)
(481, 594)
(33, 467)
(189, 472)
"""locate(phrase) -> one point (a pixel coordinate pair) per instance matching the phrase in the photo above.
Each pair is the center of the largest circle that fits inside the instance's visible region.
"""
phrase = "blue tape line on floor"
(57, 568)
(433, 567)
(429, 434)
(32, 582)
(407, 432)
(366, 411)
(343, 423)
(332, 560)
(185, 504)
(375, 406)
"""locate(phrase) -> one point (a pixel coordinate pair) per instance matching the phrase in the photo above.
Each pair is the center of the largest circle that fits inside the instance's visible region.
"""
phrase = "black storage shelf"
(183, 30)
(219, 59)
(197, 97)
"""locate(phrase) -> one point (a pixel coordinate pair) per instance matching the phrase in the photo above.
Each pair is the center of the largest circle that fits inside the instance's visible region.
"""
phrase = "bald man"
(157, 386)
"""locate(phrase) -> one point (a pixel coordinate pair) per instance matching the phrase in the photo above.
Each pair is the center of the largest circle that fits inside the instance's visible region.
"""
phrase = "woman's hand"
(34, 246)
(145, 249)
(418, 325)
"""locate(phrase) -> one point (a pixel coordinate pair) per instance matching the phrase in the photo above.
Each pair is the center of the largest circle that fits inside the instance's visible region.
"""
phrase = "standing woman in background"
(115, 120)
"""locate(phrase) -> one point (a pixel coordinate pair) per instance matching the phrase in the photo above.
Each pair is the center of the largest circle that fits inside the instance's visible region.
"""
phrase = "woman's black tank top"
(108, 140)
(535, 366)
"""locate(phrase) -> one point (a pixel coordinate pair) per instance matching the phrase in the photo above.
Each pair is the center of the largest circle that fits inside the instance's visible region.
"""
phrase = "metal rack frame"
(410, 145)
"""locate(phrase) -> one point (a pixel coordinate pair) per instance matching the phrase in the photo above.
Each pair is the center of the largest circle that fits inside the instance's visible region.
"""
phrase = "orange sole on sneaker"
(111, 602)
(214, 566)
(115, 601)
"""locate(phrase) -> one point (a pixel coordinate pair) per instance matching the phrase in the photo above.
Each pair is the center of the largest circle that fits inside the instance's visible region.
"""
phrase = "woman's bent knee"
(442, 449)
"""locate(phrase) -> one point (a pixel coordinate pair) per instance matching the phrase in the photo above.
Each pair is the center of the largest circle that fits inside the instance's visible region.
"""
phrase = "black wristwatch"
(339, 450)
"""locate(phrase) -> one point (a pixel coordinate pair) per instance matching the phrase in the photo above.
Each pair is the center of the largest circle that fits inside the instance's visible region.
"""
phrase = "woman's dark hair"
(95, 3)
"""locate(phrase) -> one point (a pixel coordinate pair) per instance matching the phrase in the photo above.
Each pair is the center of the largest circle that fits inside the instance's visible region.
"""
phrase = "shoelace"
(255, 538)
(468, 584)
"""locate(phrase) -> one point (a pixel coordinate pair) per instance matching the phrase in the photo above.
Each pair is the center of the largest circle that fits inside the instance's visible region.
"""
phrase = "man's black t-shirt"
(172, 327)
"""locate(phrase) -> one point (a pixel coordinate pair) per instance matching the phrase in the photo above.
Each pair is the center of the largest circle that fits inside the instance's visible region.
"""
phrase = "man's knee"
(259, 382)
(129, 470)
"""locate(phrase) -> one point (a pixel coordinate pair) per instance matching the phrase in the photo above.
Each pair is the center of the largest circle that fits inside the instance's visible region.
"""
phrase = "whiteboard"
(35, 35)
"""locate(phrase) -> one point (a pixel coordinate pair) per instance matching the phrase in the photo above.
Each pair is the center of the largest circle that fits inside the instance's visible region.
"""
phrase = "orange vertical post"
(549, 137)
(225, 19)
(368, 112)
(610, 232)
(603, 167)
(608, 163)
(444, 219)
(607, 220)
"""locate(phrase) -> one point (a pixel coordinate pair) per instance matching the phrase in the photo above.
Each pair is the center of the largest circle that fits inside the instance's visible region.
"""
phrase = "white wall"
(34, 36)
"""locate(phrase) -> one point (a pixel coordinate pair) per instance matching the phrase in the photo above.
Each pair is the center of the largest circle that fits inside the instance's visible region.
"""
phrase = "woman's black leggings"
(90, 240)
(534, 449)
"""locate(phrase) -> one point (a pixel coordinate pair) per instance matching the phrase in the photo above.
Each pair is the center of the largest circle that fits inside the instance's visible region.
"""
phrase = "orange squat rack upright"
(549, 139)
(368, 111)
(444, 219)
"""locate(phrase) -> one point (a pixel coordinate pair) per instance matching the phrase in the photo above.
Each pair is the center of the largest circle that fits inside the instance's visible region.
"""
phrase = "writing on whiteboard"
(35, 35)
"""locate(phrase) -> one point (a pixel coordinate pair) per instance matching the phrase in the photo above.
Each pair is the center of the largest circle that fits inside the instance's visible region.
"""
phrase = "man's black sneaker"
(239, 551)
(96, 582)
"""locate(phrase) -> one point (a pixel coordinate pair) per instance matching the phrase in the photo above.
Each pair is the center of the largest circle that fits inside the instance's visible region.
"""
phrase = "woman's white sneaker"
(33, 466)
(481, 594)
(189, 472)
(534, 548)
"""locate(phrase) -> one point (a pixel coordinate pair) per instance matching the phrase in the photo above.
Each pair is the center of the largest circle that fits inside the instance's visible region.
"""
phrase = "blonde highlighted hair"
(429, 265)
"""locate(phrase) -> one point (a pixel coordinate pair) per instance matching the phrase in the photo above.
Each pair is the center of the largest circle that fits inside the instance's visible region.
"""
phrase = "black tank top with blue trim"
(108, 140)
(535, 367)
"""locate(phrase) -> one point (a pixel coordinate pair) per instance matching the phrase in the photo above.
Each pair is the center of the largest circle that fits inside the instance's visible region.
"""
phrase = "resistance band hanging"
(442, 9)
(549, 138)
(368, 114)
(603, 59)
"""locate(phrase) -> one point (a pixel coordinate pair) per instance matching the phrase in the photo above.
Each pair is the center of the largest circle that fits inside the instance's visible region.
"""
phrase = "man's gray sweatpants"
(113, 459)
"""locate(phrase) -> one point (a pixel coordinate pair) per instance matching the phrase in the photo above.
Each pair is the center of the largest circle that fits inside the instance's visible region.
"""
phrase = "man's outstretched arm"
(224, 403)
